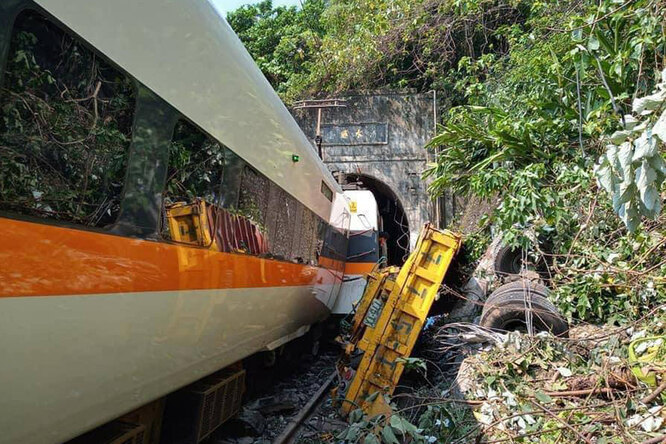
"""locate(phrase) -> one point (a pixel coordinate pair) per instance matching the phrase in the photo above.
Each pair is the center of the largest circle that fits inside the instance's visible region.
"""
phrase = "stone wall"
(381, 135)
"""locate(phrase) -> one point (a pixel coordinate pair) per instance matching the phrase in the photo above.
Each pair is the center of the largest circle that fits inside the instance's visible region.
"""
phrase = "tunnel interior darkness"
(394, 219)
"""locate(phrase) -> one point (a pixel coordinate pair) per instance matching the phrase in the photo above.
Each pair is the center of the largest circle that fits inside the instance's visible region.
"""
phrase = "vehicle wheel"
(509, 260)
(506, 310)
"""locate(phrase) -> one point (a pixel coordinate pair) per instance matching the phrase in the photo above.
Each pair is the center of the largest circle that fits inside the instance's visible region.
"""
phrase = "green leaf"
(542, 397)
(645, 105)
(388, 436)
(659, 165)
(593, 43)
(397, 423)
(619, 136)
(356, 415)
(350, 434)
(624, 157)
(402, 425)
(645, 176)
(371, 439)
(652, 201)
(629, 122)
(565, 372)
(613, 160)
(577, 35)
(629, 216)
(626, 191)
(645, 146)
(659, 128)
(604, 175)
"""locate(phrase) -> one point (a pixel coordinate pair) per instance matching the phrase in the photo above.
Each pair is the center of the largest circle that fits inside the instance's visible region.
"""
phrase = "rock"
(259, 404)
(476, 289)
(252, 421)
(287, 402)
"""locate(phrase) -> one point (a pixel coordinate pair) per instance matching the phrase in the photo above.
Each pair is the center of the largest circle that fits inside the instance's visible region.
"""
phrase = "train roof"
(187, 53)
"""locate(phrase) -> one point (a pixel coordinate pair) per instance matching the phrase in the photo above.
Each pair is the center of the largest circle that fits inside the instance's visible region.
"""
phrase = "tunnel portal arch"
(379, 136)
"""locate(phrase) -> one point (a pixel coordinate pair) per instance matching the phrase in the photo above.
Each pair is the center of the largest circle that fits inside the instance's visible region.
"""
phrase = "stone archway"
(379, 136)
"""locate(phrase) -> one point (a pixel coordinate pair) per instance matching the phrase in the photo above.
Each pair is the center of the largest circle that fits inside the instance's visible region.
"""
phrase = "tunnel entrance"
(393, 218)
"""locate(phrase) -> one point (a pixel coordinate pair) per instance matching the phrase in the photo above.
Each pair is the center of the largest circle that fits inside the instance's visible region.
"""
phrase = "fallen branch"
(652, 396)
(655, 440)
(463, 439)
(592, 391)
(563, 422)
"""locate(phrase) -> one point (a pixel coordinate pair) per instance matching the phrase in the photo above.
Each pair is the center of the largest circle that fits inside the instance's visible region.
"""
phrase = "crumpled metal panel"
(233, 232)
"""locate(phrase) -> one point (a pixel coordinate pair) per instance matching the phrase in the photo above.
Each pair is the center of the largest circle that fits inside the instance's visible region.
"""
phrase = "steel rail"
(289, 433)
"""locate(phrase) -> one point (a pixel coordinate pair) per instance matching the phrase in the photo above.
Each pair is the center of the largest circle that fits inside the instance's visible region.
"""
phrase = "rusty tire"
(505, 309)
(508, 261)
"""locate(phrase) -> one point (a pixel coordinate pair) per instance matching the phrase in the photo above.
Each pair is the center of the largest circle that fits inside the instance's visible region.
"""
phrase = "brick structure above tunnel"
(380, 135)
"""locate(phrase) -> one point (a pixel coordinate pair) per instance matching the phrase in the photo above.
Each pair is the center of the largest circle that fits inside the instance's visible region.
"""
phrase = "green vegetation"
(331, 46)
(556, 108)
(524, 389)
(283, 41)
(532, 128)
(533, 93)
(53, 114)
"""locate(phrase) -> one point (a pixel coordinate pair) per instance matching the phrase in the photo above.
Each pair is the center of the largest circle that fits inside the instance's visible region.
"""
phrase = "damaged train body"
(118, 115)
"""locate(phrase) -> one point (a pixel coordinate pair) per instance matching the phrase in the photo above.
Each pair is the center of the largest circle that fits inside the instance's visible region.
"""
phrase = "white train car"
(364, 249)
(112, 111)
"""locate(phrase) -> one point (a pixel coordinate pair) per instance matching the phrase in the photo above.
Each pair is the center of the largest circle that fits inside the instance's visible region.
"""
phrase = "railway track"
(290, 434)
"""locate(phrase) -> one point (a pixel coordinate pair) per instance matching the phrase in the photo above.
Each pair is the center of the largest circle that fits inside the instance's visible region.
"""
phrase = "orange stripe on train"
(41, 260)
(359, 267)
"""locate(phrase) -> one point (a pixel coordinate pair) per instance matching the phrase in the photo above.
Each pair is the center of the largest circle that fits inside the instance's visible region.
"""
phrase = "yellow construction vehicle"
(387, 322)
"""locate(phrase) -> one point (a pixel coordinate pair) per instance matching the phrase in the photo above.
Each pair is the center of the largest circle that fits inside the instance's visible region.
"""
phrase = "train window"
(141, 205)
(326, 191)
(196, 165)
(202, 168)
(274, 211)
(9, 9)
(65, 127)
(249, 213)
(286, 212)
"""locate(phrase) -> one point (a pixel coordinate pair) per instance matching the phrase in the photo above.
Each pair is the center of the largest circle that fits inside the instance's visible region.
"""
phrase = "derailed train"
(112, 113)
